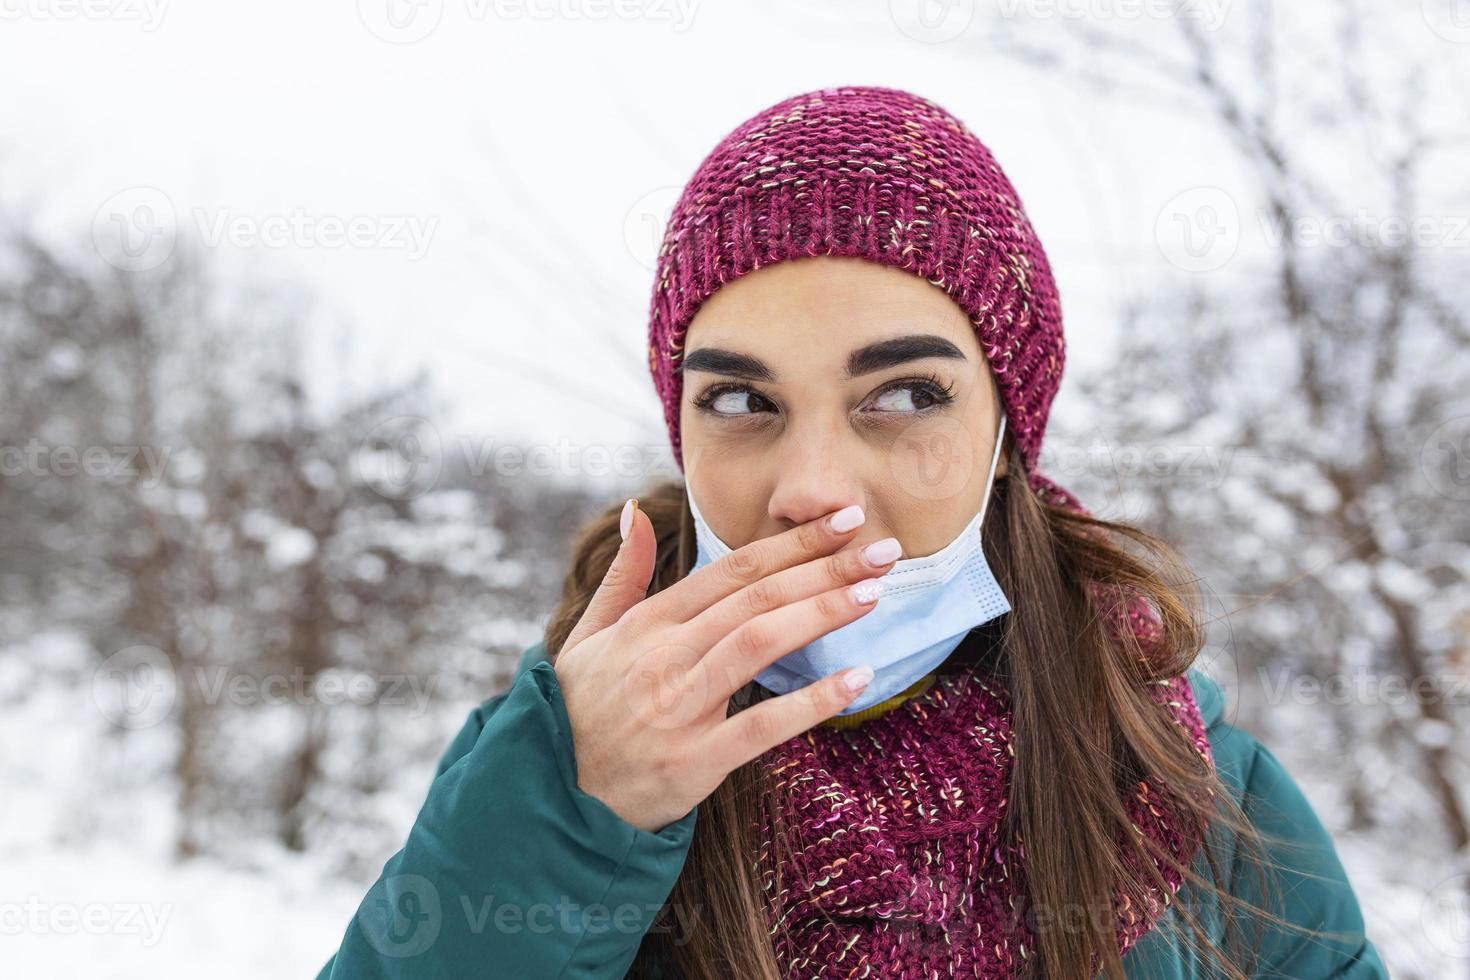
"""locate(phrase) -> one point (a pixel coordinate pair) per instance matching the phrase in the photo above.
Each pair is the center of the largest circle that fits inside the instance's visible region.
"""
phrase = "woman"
(922, 715)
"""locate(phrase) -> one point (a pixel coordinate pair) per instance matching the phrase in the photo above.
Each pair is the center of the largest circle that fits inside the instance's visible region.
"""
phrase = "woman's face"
(816, 383)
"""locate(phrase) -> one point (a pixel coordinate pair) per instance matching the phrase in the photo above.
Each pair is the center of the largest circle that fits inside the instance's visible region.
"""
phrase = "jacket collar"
(1209, 697)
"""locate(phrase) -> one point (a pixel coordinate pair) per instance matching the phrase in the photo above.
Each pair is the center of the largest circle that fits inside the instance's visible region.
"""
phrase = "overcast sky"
(507, 167)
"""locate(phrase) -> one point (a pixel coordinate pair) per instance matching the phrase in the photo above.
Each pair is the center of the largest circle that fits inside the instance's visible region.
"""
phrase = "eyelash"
(942, 393)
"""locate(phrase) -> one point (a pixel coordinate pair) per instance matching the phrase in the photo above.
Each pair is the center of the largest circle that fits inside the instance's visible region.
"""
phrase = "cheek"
(725, 502)
(934, 465)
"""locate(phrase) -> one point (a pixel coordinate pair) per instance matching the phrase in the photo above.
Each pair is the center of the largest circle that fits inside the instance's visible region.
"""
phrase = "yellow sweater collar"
(844, 722)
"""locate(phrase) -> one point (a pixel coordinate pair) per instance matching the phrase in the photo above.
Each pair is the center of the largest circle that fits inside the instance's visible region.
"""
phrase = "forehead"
(798, 306)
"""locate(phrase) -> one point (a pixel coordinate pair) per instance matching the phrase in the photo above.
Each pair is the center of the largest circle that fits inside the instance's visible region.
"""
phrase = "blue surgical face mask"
(927, 607)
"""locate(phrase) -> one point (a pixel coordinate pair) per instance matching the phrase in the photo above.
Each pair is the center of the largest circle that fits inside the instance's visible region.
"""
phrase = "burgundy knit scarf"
(898, 867)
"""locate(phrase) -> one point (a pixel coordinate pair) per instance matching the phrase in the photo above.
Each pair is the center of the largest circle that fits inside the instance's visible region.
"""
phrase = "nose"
(812, 479)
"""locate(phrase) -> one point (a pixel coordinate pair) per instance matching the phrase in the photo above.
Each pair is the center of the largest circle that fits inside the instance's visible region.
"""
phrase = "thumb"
(626, 582)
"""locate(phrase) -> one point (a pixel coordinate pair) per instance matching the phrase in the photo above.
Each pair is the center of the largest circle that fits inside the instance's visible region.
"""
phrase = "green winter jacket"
(510, 870)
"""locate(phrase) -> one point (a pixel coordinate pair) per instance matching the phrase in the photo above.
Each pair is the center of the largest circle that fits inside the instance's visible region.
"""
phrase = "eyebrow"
(864, 360)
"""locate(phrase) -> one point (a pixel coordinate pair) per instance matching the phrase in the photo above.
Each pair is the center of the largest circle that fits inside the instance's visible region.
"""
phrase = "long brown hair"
(1079, 693)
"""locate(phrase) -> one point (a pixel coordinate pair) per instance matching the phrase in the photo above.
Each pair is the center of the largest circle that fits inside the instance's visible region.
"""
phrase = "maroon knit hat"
(875, 173)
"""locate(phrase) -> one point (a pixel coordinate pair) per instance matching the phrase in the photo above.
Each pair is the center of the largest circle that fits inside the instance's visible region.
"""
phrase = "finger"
(735, 660)
(625, 583)
(762, 726)
(790, 585)
(703, 588)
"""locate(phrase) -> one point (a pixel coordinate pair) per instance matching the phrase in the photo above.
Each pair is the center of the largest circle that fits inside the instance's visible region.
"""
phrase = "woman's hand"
(647, 679)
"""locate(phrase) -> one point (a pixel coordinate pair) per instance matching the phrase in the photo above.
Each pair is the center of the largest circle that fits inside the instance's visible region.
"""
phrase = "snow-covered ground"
(107, 909)
(86, 841)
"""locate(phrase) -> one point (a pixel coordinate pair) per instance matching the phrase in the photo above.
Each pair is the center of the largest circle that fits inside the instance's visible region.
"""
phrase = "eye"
(731, 400)
(911, 395)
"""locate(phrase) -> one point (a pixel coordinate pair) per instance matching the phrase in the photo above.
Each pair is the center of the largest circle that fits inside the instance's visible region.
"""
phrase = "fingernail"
(882, 552)
(625, 523)
(847, 518)
(866, 591)
(857, 678)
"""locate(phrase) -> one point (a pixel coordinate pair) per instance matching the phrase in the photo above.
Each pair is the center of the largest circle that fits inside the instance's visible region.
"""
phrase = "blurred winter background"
(322, 326)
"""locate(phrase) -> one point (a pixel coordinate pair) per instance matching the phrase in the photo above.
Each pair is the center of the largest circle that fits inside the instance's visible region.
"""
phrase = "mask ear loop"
(994, 458)
(717, 548)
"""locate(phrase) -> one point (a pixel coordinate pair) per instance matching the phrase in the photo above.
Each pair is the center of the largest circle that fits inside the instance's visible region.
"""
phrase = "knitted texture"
(899, 867)
(881, 174)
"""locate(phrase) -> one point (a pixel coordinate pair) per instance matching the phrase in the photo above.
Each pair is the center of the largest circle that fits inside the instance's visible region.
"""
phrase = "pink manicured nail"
(866, 591)
(847, 518)
(882, 552)
(625, 523)
(857, 678)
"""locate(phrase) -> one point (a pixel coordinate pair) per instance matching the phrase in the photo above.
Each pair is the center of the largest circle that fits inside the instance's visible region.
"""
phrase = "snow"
(69, 912)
